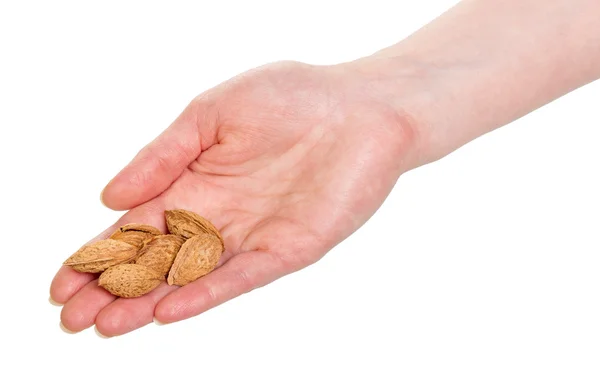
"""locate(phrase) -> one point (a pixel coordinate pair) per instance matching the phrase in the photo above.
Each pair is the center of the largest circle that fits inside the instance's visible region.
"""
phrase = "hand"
(286, 160)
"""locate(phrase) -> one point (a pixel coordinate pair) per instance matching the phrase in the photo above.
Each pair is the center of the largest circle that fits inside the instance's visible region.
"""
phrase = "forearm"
(486, 63)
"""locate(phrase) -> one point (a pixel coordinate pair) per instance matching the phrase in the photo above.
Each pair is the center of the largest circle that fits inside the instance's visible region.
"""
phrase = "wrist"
(406, 87)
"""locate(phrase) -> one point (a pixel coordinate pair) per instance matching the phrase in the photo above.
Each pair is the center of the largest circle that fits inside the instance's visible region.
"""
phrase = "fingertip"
(114, 197)
(167, 308)
(100, 334)
(72, 321)
(136, 184)
(165, 312)
(109, 322)
(66, 283)
(57, 292)
(102, 200)
(158, 322)
(64, 329)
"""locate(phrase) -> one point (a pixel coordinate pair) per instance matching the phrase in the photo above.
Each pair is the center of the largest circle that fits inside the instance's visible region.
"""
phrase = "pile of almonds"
(136, 258)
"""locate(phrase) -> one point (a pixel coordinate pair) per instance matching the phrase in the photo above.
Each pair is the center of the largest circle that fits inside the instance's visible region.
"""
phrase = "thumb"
(162, 161)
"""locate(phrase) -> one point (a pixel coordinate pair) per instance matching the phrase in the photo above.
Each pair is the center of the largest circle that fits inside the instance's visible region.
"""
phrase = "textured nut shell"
(135, 234)
(160, 252)
(100, 255)
(130, 280)
(188, 224)
(198, 256)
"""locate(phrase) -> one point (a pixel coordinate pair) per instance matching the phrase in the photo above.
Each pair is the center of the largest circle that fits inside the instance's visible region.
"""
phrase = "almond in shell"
(197, 257)
(135, 234)
(100, 255)
(160, 252)
(130, 280)
(188, 224)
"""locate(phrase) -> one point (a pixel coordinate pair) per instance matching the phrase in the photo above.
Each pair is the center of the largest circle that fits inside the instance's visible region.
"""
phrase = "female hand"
(286, 160)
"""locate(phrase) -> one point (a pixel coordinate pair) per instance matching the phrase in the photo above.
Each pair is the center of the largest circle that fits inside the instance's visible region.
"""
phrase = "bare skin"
(289, 159)
(278, 160)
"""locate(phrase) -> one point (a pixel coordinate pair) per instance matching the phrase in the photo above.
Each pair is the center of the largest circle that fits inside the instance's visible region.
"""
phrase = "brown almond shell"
(130, 280)
(197, 257)
(188, 224)
(160, 252)
(135, 234)
(100, 255)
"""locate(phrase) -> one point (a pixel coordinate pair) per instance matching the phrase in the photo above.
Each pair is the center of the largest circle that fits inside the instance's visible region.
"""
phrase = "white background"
(485, 262)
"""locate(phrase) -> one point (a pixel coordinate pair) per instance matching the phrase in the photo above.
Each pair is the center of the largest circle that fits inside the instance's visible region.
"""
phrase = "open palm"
(286, 160)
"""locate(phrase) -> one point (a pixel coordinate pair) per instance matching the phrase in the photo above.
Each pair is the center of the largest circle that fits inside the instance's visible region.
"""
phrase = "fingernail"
(102, 197)
(64, 329)
(100, 334)
(53, 302)
(158, 322)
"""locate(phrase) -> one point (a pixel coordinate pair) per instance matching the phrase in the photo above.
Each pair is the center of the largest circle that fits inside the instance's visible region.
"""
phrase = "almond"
(160, 252)
(197, 257)
(188, 224)
(135, 234)
(130, 280)
(100, 255)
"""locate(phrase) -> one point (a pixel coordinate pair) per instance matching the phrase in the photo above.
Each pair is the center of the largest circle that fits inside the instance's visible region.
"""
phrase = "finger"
(158, 164)
(239, 275)
(81, 310)
(67, 281)
(125, 315)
